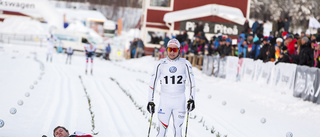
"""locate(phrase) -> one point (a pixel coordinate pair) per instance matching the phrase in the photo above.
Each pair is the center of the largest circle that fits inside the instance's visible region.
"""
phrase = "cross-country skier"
(50, 47)
(173, 73)
(90, 49)
(60, 131)
(69, 52)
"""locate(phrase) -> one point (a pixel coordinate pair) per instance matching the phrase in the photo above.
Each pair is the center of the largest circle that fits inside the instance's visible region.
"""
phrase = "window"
(160, 3)
(155, 37)
(66, 37)
(166, 5)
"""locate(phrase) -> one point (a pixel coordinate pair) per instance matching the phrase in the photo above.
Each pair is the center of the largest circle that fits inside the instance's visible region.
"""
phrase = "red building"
(173, 16)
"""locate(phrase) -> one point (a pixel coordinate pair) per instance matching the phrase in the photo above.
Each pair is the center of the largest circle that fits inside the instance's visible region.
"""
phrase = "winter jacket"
(280, 25)
(263, 53)
(166, 40)
(254, 26)
(227, 50)
(316, 56)
(255, 50)
(286, 26)
(272, 53)
(285, 59)
(240, 48)
(246, 27)
(306, 55)
(184, 49)
(291, 47)
(108, 49)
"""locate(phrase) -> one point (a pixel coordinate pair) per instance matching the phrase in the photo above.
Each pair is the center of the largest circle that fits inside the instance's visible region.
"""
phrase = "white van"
(75, 40)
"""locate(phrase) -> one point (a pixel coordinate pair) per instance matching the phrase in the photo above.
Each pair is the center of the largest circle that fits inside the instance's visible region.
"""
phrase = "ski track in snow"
(59, 99)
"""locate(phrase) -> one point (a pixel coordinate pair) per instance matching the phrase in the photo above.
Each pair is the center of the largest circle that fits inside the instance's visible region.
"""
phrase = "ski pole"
(187, 123)
(150, 124)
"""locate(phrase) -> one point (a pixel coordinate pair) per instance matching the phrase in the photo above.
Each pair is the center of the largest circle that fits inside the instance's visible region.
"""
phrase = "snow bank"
(24, 26)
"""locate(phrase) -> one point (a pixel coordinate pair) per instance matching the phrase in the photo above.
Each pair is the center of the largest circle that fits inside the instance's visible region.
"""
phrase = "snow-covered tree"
(297, 11)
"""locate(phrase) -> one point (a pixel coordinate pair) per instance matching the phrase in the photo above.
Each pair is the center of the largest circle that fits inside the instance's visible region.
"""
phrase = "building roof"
(226, 12)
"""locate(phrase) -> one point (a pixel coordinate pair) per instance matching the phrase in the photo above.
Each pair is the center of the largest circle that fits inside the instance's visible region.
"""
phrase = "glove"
(190, 105)
(150, 107)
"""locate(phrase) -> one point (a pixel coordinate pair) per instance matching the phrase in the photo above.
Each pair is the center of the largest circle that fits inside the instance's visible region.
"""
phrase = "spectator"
(255, 50)
(255, 26)
(211, 49)
(284, 57)
(313, 44)
(222, 44)
(313, 37)
(278, 45)
(194, 47)
(260, 29)
(185, 36)
(246, 27)
(302, 34)
(244, 47)
(306, 53)
(133, 48)
(264, 51)
(280, 25)
(108, 51)
(286, 24)
(184, 48)
(290, 43)
(200, 26)
(227, 48)
(217, 41)
(271, 52)
(60, 131)
(198, 29)
(162, 50)
(241, 40)
(140, 48)
(250, 40)
(166, 40)
(317, 55)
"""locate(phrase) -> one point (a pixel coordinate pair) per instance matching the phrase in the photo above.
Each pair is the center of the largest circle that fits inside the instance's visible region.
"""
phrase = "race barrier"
(307, 84)
(303, 81)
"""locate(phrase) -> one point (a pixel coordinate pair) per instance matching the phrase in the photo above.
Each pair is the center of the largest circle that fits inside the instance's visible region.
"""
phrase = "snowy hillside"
(112, 102)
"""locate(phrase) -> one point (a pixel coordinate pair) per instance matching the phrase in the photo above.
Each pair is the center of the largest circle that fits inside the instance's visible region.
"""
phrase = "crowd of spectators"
(279, 46)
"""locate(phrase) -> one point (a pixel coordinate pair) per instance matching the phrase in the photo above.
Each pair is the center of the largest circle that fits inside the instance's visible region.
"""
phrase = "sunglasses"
(172, 49)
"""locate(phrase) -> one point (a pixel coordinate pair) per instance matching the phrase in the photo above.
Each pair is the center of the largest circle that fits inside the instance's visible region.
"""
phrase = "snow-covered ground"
(117, 93)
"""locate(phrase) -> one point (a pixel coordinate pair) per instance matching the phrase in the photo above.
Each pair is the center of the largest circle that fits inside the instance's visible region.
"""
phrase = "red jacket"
(291, 48)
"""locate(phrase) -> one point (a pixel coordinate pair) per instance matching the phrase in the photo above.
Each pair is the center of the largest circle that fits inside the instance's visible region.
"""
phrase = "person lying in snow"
(60, 131)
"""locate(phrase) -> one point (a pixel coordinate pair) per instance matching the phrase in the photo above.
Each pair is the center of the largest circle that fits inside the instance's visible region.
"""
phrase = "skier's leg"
(164, 118)
(91, 64)
(87, 58)
(70, 59)
(178, 119)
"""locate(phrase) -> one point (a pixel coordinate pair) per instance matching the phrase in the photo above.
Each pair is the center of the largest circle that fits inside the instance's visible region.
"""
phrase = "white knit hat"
(174, 42)
(279, 39)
